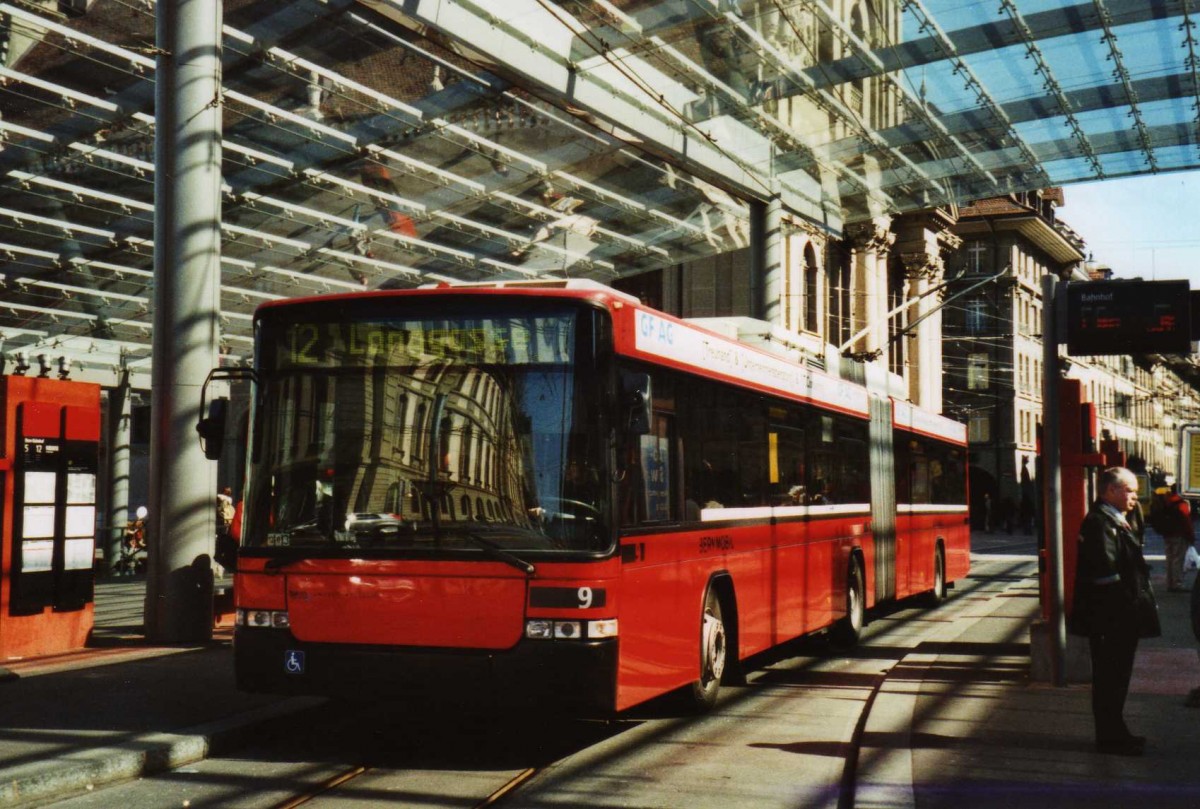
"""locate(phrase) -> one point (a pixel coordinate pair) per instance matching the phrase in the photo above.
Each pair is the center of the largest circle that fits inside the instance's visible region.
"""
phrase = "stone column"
(871, 242)
(923, 271)
(772, 284)
(923, 239)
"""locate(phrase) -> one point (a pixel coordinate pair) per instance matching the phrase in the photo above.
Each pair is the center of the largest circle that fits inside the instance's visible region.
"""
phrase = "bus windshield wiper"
(496, 552)
(277, 563)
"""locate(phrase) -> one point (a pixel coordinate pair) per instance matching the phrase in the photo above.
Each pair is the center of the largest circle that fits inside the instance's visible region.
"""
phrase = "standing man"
(1113, 606)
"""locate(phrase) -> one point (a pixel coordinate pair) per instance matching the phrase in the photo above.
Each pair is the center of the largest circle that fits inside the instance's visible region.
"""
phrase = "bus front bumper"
(577, 675)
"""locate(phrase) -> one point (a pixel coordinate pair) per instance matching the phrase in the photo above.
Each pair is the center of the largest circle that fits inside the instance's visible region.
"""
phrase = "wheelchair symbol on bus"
(293, 662)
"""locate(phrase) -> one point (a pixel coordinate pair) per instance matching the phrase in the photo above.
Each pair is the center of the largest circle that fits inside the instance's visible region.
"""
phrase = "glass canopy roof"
(389, 143)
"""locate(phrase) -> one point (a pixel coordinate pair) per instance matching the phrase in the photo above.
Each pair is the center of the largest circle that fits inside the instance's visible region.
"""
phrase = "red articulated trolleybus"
(548, 490)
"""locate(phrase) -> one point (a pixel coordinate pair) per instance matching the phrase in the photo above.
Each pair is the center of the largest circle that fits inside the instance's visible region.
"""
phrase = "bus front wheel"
(713, 649)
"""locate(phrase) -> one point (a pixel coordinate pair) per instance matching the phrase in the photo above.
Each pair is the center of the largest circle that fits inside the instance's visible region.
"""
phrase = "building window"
(896, 324)
(976, 314)
(975, 253)
(811, 290)
(1122, 405)
(837, 294)
(977, 371)
(979, 428)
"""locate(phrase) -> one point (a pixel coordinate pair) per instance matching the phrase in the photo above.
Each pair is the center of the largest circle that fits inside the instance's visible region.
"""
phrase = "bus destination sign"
(503, 341)
(1128, 317)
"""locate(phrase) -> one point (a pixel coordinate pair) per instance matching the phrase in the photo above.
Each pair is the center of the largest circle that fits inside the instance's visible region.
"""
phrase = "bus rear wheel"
(938, 594)
(713, 649)
(847, 631)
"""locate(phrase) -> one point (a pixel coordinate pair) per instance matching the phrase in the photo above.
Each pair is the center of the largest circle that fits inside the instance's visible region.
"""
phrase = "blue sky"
(1144, 226)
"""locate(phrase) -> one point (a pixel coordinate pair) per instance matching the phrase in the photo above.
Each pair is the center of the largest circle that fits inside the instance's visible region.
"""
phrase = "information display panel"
(1128, 317)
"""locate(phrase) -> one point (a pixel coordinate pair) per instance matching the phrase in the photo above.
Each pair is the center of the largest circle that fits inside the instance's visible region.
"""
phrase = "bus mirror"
(212, 428)
(637, 401)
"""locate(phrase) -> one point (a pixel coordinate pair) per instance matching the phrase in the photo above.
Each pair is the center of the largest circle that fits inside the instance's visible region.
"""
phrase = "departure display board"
(1189, 461)
(1128, 317)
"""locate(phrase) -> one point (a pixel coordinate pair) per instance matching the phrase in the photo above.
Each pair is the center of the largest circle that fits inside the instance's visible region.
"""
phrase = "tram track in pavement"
(502, 793)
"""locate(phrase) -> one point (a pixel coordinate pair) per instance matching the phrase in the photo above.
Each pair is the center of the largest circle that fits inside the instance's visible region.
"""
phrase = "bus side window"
(785, 445)
(902, 467)
(837, 460)
(648, 487)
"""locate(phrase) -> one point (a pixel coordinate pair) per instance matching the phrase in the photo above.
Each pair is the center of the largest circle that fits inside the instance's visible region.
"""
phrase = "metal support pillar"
(1052, 485)
(119, 421)
(187, 216)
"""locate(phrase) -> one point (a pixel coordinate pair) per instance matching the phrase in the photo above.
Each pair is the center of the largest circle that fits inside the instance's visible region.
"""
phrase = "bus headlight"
(539, 629)
(546, 629)
(568, 630)
(602, 629)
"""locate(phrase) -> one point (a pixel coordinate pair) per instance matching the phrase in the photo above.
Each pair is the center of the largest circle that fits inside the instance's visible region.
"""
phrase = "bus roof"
(667, 340)
(572, 287)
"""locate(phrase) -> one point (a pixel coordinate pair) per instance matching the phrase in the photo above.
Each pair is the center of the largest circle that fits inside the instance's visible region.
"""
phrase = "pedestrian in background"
(1173, 519)
(1113, 606)
(225, 552)
(224, 510)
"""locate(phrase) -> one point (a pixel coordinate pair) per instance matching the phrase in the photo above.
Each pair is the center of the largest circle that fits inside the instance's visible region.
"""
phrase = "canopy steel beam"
(1052, 84)
(1009, 161)
(136, 102)
(1122, 73)
(1054, 22)
(546, 61)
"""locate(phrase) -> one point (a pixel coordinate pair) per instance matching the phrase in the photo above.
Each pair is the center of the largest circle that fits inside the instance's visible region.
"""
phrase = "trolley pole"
(1052, 485)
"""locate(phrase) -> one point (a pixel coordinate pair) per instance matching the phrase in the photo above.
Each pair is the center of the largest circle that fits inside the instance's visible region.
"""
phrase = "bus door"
(883, 498)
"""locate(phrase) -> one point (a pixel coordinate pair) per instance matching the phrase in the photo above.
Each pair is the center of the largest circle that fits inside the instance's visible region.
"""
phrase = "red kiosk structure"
(49, 447)
(1079, 459)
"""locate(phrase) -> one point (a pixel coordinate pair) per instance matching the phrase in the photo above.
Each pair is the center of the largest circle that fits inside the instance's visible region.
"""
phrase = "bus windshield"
(477, 430)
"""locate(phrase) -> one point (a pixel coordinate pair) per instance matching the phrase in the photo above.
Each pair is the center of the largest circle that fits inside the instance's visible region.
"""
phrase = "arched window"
(856, 85)
(418, 430)
(895, 297)
(464, 452)
(444, 430)
(837, 294)
(401, 423)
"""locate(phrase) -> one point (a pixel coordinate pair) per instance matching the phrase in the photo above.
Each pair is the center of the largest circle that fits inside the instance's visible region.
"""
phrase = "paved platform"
(961, 725)
(971, 729)
(120, 708)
